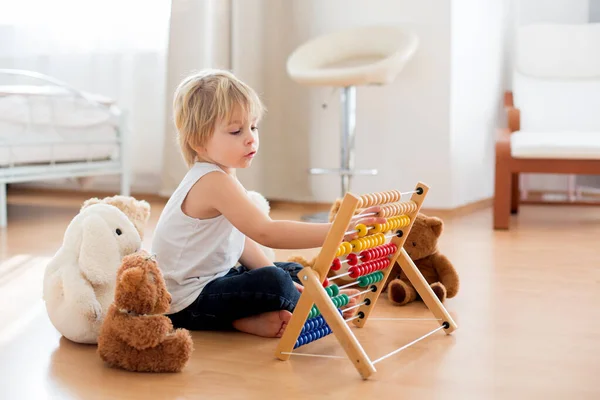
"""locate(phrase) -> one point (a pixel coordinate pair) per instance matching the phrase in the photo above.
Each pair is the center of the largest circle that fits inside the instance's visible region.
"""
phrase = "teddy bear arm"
(447, 273)
(80, 294)
(143, 331)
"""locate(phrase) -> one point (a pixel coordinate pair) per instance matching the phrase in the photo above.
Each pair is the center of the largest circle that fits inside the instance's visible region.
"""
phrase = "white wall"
(402, 129)
(477, 83)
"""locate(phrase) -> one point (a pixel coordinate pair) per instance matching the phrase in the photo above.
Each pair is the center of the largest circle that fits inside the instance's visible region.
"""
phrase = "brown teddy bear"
(438, 271)
(134, 335)
(138, 211)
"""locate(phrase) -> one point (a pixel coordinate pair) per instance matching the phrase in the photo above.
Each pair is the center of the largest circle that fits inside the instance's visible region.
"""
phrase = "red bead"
(326, 282)
(336, 265)
(352, 259)
(365, 255)
(354, 271)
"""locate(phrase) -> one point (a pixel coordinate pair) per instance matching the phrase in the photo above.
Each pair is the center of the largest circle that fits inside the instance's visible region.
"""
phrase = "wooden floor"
(528, 316)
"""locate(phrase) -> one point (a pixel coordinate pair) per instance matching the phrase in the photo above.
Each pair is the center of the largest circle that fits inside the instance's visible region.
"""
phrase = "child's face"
(233, 144)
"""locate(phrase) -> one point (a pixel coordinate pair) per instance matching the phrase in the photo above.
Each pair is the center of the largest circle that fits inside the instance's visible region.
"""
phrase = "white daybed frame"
(52, 169)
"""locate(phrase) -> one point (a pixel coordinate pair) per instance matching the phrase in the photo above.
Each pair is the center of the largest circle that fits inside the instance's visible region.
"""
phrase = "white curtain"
(110, 47)
(198, 38)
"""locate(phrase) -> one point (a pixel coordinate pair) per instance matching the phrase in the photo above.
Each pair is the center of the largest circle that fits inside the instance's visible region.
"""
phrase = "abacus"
(370, 257)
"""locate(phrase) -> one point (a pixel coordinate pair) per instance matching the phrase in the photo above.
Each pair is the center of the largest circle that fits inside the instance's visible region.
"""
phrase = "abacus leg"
(429, 298)
(299, 316)
(338, 326)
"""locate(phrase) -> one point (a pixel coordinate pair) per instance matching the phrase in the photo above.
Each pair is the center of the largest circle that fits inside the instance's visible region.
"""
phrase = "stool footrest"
(341, 171)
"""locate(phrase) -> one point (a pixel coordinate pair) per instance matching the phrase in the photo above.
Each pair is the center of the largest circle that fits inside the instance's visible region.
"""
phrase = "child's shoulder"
(200, 170)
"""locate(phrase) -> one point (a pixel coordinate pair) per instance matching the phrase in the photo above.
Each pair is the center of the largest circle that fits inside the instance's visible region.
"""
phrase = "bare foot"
(270, 324)
(353, 301)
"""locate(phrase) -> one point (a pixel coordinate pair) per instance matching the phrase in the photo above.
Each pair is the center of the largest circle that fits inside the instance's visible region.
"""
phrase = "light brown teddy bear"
(134, 335)
(138, 211)
(422, 247)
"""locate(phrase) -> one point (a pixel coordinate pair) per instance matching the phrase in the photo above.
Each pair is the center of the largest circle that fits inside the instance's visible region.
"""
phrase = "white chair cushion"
(359, 56)
(556, 145)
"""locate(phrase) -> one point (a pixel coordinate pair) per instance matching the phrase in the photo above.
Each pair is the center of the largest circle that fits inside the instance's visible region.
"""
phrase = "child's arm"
(229, 199)
(253, 257)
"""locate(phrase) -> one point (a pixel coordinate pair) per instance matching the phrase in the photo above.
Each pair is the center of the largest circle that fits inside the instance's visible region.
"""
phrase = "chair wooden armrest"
(513, 114)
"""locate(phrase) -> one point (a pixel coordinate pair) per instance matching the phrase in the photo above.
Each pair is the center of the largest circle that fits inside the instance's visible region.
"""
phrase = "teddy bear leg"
(400, 293)
(171, 355)
(440, 290)
(176, 351)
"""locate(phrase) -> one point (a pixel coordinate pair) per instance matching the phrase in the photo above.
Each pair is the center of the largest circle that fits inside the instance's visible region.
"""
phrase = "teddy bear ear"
(335, 207)
(131, 278)
(436, 225)
(144, 210)
(89, 202)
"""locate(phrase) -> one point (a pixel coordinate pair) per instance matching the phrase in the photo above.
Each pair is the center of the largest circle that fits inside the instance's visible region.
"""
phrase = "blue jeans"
(239, 294)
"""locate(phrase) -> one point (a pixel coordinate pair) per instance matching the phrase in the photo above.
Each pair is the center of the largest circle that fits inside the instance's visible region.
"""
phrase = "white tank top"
(192, 252)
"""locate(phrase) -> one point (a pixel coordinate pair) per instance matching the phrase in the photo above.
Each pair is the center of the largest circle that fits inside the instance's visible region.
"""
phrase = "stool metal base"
(342, 172)
(346, 170)
(316, 217)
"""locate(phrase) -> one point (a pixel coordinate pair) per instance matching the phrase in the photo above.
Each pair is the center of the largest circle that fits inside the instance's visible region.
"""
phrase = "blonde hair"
(202, 100)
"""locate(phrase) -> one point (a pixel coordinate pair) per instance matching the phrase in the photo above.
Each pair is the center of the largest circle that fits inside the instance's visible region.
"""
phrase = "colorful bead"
(311, 336)
(336, 264)
(352, 259)
(369, 279)
(357, 245)
(368, 267)
(362, 230)
(347, 248)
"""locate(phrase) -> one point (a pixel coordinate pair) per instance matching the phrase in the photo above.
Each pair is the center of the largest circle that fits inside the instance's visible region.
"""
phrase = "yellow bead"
(376, 228)
(356, 245)
(347, 248)
(362, 230)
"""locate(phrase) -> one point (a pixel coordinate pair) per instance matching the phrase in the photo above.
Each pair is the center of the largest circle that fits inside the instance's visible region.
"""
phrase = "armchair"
(553, 118)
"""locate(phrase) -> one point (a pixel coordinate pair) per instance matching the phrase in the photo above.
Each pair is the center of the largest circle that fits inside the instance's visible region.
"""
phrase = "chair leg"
(514, 194)
(502, 197)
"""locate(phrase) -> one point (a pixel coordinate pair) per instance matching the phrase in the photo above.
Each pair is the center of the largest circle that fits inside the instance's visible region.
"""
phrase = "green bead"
(344, 300)
(313, 312)
(335, 289)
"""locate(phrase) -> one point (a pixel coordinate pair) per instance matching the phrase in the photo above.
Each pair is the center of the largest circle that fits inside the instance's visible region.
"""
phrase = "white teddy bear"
(79, 281)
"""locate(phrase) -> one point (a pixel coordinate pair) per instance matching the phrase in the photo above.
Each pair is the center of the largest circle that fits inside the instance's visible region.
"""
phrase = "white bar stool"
(371, 55)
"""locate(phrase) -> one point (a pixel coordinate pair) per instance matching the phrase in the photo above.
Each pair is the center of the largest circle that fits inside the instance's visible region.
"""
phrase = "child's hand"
(367, 220)
(299, 287)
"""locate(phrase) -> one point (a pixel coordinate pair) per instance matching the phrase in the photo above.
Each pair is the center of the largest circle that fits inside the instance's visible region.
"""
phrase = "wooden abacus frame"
(314, 292)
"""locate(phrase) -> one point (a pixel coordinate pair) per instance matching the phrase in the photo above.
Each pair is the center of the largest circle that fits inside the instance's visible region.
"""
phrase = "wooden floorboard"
(527, 316)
